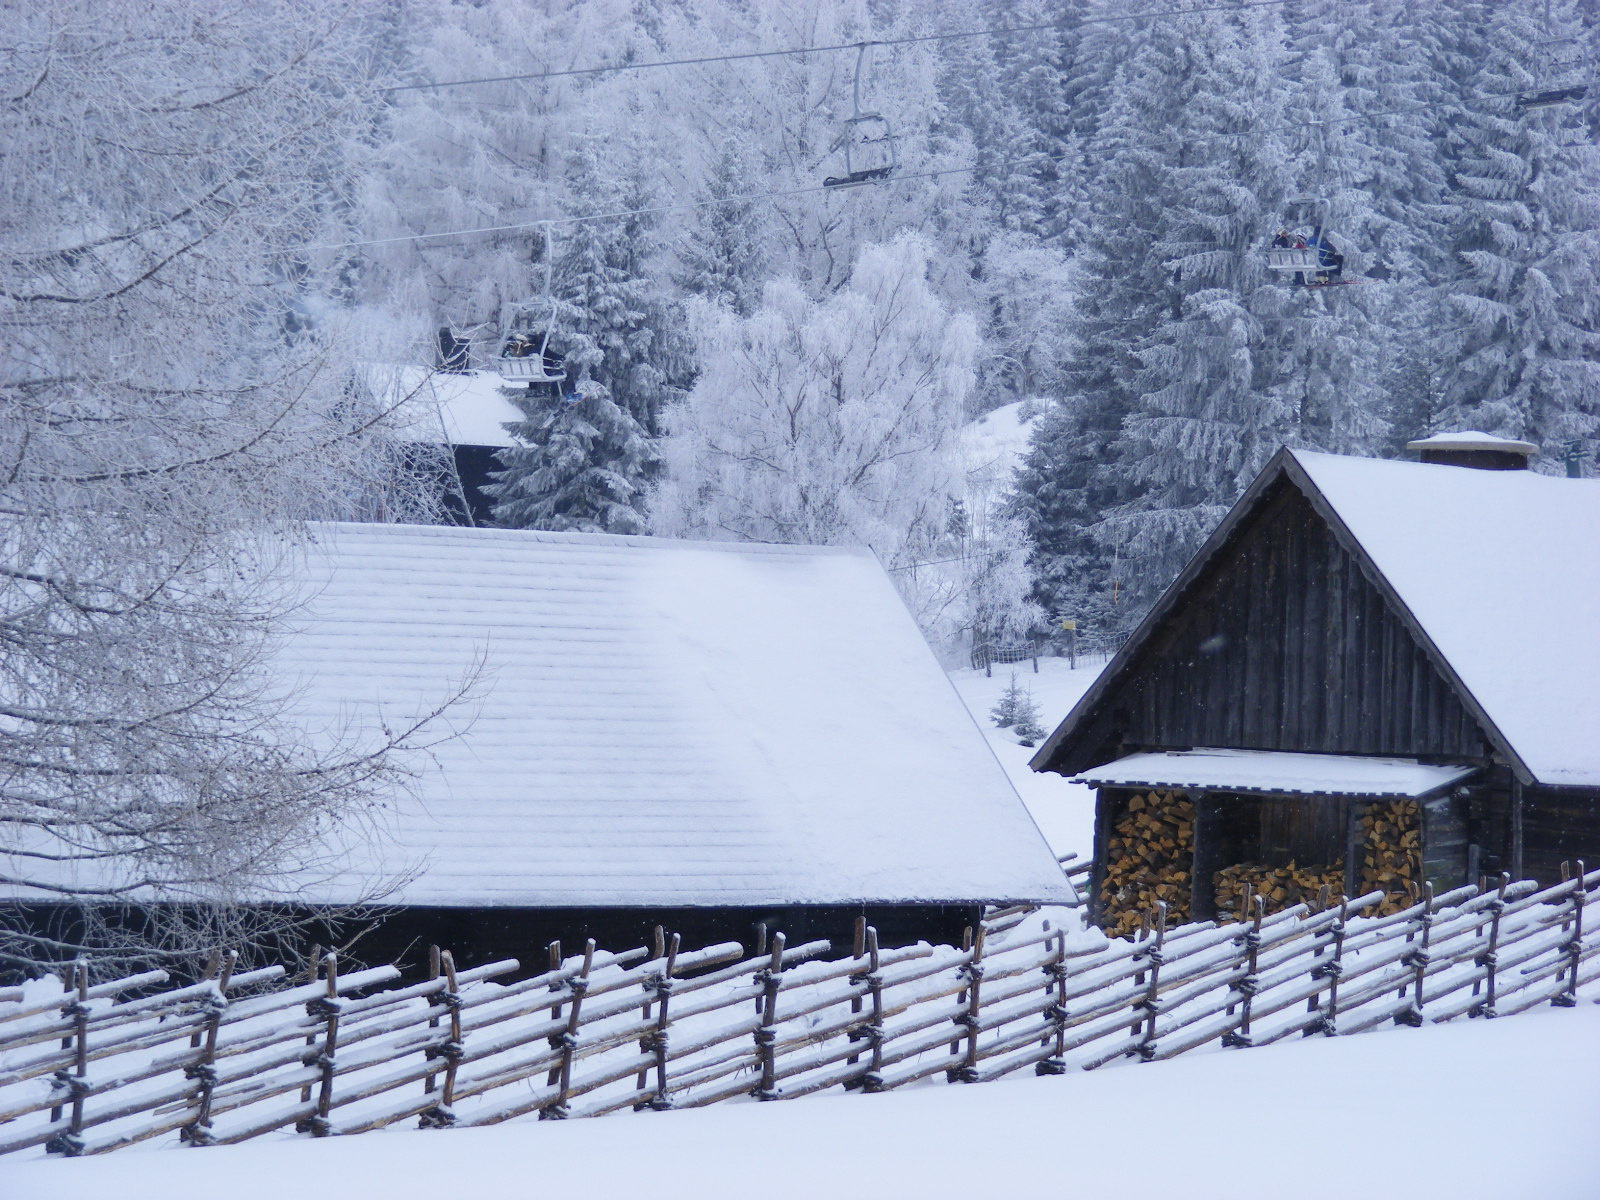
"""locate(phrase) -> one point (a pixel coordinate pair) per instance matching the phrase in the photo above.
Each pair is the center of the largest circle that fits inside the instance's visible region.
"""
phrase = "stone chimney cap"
(1472, 439)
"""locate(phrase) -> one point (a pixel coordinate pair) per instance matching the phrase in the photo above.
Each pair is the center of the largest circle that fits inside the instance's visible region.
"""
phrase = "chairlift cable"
(998, 31)
(690, 205)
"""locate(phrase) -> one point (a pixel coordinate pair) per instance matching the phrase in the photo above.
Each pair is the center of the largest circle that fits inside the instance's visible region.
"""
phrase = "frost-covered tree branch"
(169, 415)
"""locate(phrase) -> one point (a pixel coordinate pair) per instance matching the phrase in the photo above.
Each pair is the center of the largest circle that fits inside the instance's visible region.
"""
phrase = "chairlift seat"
(1551, 99)
(528, 369)
(1291, 258)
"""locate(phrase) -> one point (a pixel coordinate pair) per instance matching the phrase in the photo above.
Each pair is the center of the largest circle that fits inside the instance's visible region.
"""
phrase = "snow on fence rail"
(84, 1070)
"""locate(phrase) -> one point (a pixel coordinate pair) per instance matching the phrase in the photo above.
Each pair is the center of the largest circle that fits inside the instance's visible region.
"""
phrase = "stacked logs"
(1280, 887)
(1149, 857)
(1391, 852)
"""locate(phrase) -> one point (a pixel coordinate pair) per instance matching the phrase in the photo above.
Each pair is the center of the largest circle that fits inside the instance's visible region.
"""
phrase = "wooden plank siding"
(1282, 644)
(1559, 825)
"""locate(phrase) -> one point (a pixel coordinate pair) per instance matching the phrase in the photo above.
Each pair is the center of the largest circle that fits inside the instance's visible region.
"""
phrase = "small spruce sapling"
(1018, 711)
(1004, 713)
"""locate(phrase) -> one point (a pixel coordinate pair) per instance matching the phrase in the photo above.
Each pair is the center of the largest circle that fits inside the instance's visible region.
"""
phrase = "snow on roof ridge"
(643, 541)
(1472, 439)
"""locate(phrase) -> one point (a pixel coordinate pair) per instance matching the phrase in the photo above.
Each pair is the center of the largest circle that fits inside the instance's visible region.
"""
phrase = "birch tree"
(167, 413)
(833, 422)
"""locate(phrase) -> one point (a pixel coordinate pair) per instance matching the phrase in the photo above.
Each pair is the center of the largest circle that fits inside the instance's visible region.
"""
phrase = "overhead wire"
(743, 56)
(753, 197)
(687, 206)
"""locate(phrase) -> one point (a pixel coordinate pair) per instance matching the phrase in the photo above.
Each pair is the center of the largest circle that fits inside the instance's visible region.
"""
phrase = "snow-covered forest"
(1085, 205)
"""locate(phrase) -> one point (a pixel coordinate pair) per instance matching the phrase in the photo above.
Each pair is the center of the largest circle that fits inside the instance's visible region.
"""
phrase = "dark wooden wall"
(1282, 644)
(479, 935)
(1559, 825)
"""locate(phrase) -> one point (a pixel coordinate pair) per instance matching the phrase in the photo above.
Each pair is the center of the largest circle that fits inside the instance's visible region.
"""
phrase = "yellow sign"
(1069, 623)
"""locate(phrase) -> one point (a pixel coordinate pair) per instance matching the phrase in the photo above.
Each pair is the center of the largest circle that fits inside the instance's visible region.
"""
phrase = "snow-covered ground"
(1474, 1108)
(1064, 812)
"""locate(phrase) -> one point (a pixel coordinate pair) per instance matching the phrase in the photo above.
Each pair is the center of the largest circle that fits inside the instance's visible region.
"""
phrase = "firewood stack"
(1150, 857)
(1391, 852)
(1282, 887)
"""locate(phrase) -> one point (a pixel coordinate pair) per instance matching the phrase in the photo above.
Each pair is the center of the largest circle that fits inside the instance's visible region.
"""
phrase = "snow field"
(1063, 811)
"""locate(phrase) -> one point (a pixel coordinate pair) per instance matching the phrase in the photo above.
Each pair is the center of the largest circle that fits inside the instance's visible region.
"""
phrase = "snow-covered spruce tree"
(616, 320)
(1170, 410)
(1524, 348)
(163, 165)
(578, 467)
(584, 463)
(724, 253)
(830, 422)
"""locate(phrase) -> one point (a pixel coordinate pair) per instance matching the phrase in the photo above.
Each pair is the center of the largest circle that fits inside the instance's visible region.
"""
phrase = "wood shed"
(1374, 673)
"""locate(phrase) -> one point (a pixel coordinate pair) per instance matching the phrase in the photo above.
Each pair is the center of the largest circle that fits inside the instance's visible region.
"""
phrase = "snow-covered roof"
(1472, 439)
(1276, 772)
(656, 723)
(1501, 569)
(466, 409)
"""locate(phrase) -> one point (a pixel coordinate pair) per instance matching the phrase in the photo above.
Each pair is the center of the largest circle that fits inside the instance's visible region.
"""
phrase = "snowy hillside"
(992, 448)
(1064, 812)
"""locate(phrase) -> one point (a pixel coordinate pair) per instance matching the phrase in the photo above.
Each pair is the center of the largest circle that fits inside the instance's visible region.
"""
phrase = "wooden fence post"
(1418, 959)
(198, 1131)
(966, 948)
(1332, 970)
(556, 987)
(871, 1032)
(442, 1115)
(431, 1081)
(1246, 987)
(972, 969)
(1138, 978)
(1151, 998)
(556, 1110)
(657, 1041)
(766, 1037)
(1056, 972)
(658, 950)
(313, 964)
(326, 1007)
(76, 1084)
(1574, 947)
(1489, 960)
(858, 948)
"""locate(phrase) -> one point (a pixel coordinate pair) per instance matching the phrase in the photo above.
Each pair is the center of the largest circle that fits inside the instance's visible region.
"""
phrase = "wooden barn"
(705, 736)
(1373, 673)
(464, 415)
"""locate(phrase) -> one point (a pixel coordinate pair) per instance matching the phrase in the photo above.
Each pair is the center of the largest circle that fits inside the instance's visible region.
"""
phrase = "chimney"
(1483, 451)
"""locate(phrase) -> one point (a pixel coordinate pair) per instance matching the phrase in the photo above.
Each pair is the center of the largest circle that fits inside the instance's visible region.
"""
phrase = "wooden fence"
(90, 1067)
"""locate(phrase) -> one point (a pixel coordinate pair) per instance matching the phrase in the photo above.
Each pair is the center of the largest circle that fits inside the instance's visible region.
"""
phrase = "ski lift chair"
(1305, 221)
(526, 356)
(1561, 77)
(870, 150)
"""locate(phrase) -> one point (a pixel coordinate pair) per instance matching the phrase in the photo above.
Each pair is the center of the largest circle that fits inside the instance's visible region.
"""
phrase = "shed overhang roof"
(1278, 773)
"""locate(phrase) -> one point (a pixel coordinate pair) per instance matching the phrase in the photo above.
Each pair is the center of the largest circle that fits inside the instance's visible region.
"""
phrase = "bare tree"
(170, 408)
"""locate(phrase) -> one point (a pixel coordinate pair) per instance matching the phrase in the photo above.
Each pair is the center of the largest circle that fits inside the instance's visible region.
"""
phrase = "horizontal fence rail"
(86, 1068)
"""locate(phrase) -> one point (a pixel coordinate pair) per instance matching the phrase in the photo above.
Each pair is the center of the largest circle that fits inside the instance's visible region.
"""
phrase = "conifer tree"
(1525, 232)
(577, 468)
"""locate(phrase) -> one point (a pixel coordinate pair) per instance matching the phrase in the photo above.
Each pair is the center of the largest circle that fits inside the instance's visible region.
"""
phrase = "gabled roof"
(465, 408)
(1496, 574)
(657, 723)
